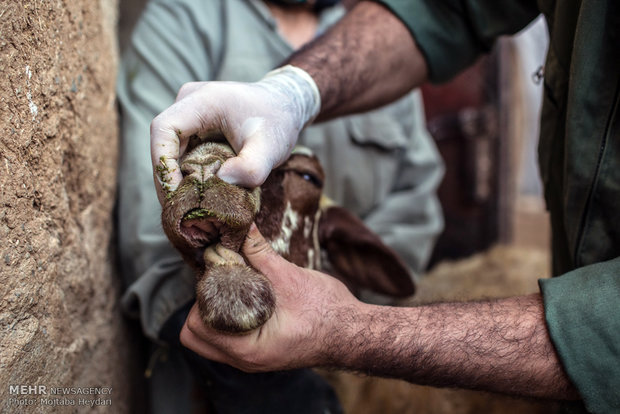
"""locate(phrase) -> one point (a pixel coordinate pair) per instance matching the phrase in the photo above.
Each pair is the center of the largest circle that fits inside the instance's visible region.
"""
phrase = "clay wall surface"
(60, 324)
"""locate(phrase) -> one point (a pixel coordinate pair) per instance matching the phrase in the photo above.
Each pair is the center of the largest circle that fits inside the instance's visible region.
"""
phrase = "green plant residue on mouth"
(198, 213)
(202, 213)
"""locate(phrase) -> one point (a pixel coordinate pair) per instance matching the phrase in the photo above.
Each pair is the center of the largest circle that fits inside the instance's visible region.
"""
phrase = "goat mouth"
(200, 228)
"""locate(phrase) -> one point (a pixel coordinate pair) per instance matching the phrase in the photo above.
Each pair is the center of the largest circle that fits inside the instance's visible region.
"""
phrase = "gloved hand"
(260, 120)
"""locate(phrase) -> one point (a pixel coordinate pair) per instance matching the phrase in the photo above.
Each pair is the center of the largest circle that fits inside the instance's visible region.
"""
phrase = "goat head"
(207, 220)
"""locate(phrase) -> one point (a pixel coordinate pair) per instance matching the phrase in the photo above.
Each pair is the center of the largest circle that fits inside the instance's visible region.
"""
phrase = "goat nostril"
(201, 171)
(212, 166)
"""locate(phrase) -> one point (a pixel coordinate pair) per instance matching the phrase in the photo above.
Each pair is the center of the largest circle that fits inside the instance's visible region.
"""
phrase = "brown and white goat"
(207, 220)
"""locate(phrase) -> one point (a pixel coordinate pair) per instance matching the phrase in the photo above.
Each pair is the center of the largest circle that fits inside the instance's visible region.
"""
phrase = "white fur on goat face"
(290, 201)
(290, 223)
(311, 231)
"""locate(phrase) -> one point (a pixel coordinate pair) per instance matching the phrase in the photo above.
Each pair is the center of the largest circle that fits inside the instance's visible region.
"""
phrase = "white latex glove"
(260, 120)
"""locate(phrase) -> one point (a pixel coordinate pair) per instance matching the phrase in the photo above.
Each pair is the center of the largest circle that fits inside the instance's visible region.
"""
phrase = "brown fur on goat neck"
(207, 220)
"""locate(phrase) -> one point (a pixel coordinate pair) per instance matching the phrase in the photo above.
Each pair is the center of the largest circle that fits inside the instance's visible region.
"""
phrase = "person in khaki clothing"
(382, 165)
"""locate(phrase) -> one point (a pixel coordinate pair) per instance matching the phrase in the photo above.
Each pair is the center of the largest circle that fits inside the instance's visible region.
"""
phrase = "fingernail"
(226, 178)
(222, 174)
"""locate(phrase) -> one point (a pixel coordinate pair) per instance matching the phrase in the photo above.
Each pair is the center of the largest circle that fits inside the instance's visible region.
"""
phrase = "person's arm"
(500, 345)
(365, 61)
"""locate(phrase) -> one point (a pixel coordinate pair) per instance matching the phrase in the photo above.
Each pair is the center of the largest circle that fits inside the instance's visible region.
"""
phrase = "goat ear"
(359, 257)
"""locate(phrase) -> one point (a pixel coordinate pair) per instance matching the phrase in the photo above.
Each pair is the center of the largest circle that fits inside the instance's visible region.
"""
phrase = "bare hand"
(299, 334)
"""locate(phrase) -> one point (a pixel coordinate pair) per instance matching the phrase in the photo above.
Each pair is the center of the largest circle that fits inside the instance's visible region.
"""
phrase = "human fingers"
(262, 257)
(245, 352)
(187, 89)
(261, 144)
(283, 103)
(170, 132)
(194, 335)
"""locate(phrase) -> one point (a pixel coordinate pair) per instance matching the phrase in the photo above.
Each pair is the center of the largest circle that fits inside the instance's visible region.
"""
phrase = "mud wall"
(59, 319)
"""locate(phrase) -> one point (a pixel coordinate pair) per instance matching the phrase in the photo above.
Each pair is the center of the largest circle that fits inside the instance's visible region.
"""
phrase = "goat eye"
(311, 179)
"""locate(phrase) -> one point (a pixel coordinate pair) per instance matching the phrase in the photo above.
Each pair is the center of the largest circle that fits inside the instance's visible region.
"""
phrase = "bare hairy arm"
(365, 61)
(499, 345)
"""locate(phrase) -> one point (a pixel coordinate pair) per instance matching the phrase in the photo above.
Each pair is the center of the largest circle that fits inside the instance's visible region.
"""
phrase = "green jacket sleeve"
(582, 309)
(452, 33)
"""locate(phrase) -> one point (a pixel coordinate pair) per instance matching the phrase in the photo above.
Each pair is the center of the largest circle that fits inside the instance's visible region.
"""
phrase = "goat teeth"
(220, 255)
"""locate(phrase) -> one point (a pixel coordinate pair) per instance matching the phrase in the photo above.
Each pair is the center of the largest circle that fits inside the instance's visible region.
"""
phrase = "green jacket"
(579, 157)
(382, 165)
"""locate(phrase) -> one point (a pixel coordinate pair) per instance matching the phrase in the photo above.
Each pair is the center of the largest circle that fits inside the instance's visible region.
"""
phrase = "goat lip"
(200, 232)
